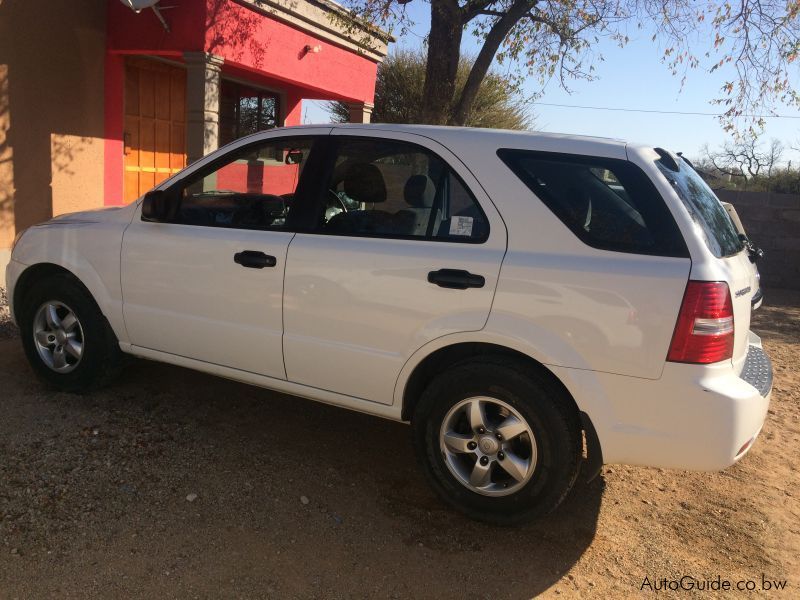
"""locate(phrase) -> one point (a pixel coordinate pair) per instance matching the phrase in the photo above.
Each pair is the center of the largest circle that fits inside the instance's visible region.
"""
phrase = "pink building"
(99, 103)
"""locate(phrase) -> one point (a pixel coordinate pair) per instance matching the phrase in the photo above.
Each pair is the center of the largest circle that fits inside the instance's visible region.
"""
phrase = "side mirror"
(157, 207)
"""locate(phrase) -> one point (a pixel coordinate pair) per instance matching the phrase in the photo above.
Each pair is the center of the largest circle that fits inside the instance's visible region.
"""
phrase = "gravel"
(94, 504)
(7, 328)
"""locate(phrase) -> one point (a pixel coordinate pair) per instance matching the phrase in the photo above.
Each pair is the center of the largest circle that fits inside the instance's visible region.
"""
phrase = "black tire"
(101, 358)
(550, 413)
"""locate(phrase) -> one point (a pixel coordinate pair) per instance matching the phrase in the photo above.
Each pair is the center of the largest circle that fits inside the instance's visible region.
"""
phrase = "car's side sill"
(278, 385)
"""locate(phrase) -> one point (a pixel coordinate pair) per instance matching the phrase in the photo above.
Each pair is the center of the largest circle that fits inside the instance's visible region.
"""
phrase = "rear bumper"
(757, 370)
(694, 417)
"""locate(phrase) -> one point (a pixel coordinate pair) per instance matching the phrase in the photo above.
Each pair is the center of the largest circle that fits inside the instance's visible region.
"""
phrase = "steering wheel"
(335, 206)
(274, 210)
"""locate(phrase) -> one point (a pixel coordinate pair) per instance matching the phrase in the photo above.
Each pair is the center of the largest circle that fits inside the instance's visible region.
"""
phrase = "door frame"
(495, 243)
(329, 149)
(232, 236)
(304, 195)
(218, 155)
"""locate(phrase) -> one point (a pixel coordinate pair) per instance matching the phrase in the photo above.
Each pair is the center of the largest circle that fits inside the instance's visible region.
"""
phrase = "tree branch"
(491, 44)
(474, 8)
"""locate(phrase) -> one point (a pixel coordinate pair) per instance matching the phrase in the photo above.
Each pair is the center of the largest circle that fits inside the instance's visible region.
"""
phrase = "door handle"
(253, 259)
(456, 279)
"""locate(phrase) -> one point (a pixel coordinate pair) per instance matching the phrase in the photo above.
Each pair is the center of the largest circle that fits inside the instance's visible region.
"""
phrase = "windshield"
(712, 219)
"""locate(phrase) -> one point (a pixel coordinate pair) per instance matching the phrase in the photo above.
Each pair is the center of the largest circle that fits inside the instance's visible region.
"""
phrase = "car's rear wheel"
(498, 440)
(66, 338)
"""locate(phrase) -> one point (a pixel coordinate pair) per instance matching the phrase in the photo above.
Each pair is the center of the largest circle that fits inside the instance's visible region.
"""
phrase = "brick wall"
(773, 222)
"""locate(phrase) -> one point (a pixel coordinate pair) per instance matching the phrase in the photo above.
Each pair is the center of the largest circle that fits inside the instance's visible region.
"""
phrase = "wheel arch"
(442, 358)
(43, 270)
(32, 274)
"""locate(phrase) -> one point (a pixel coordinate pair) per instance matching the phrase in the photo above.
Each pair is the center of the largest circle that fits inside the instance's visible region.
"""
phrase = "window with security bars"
(245, 110)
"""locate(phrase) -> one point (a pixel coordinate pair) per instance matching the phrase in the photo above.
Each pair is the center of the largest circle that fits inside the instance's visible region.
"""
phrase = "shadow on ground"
(779, 317)
(294, 498)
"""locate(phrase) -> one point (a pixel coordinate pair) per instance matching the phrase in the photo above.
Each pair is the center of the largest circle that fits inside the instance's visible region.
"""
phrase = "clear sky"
(632, 77)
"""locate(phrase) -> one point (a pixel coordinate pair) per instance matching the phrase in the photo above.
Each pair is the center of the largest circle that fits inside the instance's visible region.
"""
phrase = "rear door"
(405, 248)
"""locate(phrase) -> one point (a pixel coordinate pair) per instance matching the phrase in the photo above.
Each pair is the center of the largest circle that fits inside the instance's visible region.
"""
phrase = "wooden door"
(155, 124)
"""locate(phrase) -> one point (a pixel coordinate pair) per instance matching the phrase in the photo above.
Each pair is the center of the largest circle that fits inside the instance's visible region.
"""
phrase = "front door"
(401, 253)
(208, 284)
(155, 124)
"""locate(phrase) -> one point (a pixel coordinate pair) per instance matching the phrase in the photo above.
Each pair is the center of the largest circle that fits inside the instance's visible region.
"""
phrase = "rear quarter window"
(718, 230)
(609, 204)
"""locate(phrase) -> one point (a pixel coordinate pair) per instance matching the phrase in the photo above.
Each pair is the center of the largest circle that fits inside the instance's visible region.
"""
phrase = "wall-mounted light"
(139, 5)
(309, 49)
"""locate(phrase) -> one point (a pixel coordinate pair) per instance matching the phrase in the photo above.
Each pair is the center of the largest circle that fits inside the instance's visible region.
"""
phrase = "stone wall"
(773, 222)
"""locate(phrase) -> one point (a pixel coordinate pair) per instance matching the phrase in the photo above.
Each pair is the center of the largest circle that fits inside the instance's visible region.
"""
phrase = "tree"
(399, 92)
(745, 157)
(755, 41)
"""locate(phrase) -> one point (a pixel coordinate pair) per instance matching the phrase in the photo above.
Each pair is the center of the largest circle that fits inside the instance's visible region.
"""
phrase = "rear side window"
(609, 204)
(707, 212)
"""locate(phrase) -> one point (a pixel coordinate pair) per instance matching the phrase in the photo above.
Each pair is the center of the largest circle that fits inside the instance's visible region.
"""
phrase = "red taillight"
(704, 331)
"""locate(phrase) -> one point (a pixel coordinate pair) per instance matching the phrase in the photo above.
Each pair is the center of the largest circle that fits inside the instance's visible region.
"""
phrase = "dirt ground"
(300, 500)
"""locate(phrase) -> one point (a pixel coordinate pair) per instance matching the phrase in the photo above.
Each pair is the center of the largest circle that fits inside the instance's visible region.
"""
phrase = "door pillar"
(202, 103)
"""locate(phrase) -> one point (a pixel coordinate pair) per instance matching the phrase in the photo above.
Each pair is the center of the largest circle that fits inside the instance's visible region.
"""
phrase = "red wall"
(247, 40)
(142, 33)
(258, 179)
(256, 48)
(256, 42)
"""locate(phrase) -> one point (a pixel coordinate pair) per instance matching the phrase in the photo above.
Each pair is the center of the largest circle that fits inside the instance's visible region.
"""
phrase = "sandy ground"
(300, 500)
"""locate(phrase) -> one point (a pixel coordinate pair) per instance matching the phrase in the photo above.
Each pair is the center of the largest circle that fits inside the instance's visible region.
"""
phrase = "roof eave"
(319, 18)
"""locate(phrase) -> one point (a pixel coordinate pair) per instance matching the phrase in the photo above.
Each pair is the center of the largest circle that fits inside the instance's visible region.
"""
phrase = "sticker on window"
(461, 226)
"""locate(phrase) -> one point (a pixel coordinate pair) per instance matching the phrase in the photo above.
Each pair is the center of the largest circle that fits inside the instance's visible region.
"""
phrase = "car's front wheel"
(66, 338)
(499, 441)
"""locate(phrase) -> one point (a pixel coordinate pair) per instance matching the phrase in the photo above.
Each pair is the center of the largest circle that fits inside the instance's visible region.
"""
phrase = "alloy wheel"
(488, 446)
(58, 336)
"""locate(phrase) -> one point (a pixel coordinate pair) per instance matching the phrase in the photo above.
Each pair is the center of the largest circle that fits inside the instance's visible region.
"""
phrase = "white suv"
(512, 295)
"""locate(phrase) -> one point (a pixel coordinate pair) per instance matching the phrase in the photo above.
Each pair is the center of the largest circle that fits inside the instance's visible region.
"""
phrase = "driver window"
(385, 188)
(253, 189)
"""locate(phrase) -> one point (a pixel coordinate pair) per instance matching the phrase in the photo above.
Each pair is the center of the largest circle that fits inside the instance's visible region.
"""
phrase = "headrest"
(364, 183)
(419, 191)
(579, 205)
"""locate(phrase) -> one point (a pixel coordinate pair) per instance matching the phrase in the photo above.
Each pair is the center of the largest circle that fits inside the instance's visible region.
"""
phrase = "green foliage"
(399, 95)
(749, 47)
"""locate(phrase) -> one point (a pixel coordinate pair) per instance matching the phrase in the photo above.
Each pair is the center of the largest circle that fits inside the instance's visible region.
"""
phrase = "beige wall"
(772, 221)
(6, 166)
(51, 110)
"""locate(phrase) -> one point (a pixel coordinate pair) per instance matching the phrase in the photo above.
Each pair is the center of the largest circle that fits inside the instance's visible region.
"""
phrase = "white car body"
(347, 320)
